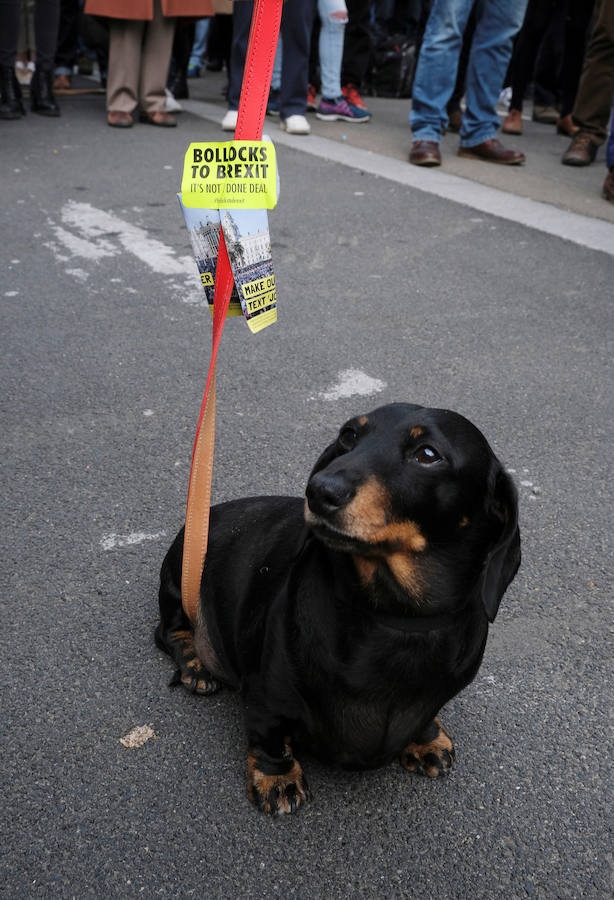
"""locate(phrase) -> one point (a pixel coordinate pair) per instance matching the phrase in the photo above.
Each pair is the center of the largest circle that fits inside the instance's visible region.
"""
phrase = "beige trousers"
(139, 57)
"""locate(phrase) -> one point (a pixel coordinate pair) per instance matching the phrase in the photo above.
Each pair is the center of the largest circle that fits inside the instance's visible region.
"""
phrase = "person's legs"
(46, 22)
(357, 44)
(333, 17)
(199, 48)
(241, 22)
(67, 40)
(437, 67)
(155, 60)
(525, 52)
(11, 105)
(594, 99)
(498, 21)
(277, 65)
(576, 28)
(9, 31)
(125, 37)
(296, 24)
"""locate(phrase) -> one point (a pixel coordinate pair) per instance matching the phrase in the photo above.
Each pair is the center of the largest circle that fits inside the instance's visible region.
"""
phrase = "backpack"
(391, 70)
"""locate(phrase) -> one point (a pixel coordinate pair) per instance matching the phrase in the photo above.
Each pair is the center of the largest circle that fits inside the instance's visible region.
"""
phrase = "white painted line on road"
(96, 227)
(595, 234)
(111, 541)
(353, 383)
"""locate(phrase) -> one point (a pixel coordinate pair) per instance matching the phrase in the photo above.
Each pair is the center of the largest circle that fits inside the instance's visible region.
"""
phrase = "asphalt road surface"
(386, 292)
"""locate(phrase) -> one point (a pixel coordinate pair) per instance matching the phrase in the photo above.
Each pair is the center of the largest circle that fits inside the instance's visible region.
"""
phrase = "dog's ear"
(325, 458)
(503, 557)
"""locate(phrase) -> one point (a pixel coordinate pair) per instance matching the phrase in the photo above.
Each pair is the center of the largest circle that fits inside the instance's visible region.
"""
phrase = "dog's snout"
(328, 493)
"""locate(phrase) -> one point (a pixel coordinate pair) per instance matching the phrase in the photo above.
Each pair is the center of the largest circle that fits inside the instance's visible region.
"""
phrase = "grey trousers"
(139, 57)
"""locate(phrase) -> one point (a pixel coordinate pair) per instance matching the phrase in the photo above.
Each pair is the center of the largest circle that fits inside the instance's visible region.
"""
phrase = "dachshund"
(347, 619)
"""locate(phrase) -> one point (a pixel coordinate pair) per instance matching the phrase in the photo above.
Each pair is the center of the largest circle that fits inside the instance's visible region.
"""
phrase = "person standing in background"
(140, 45)
(46, 21)
(497, 23)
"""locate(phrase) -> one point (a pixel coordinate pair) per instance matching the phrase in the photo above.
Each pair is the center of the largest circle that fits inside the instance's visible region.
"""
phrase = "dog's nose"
(328, 493)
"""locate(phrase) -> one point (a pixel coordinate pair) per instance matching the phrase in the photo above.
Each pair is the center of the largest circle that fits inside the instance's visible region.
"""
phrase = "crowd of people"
(465, 55)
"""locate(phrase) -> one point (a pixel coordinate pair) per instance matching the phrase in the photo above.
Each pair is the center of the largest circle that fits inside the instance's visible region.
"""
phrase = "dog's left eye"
(426, 456)
(348, 438)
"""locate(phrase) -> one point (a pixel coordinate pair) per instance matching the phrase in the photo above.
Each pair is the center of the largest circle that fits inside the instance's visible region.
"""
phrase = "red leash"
(252, 110)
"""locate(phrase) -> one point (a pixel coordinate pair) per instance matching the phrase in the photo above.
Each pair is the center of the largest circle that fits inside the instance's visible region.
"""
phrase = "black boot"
(11, 106)
(41, 93)
(178, 85)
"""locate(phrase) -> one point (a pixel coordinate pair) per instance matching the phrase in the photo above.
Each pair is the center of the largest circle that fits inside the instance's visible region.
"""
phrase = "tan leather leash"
(252, 109)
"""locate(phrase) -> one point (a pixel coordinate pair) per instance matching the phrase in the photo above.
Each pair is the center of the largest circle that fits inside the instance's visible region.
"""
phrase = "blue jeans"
(333, 18)
(498, 21)
(199, 47)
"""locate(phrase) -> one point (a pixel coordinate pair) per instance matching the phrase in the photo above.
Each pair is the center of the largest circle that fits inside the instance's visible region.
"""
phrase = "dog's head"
(417, 494)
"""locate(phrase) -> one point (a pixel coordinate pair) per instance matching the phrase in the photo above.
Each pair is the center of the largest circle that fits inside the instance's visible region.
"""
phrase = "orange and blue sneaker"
(339, 108)
(311, 99)
(350, 92)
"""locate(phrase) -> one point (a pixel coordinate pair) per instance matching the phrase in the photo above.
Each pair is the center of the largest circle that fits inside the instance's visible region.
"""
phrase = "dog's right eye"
(347, 438)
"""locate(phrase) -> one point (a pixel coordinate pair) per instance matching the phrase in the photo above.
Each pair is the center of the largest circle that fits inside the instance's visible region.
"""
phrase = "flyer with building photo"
(204, 229)
(246, 232)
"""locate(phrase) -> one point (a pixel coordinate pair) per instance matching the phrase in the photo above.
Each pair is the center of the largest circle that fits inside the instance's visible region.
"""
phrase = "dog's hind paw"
(276, 793)
(434, 756)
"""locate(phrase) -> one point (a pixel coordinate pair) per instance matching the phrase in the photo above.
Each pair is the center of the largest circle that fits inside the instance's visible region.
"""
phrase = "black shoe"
(41, 93)
(11, 106)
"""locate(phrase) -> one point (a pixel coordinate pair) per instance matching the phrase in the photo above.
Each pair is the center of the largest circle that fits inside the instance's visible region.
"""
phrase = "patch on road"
(137, 736)
(111, 541)
(353, 383)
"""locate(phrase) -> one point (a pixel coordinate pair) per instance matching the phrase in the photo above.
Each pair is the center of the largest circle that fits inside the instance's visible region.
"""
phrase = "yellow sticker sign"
(230, 175)
(260, 299)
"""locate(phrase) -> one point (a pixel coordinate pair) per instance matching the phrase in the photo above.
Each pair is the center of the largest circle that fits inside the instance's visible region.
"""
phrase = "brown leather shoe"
(493, 151)
(160, 118)
(581, 152)
(118, 119)
(512, 124)
(608, 186)
(567, 126)
(425, 153)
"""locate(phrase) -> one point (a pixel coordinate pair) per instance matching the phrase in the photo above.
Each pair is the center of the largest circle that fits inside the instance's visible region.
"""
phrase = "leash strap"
(252, 109)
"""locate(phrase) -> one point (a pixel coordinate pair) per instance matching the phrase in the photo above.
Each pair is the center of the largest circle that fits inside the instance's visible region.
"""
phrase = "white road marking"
(353, 383)
(111, 541)
(99, 226)
(596, 234)
(94, 234)
(79, 246)
(79, 274)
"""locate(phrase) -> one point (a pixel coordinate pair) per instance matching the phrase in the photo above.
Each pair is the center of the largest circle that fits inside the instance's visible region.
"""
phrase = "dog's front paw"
(434, 756)
(276, 792)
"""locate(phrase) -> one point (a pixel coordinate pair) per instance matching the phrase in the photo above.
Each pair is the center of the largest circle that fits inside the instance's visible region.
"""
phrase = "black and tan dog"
(349, 619)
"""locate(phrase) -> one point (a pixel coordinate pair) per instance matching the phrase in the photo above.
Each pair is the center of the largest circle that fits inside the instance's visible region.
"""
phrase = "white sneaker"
(295, 125)
(229, 122)
(170, 104)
